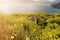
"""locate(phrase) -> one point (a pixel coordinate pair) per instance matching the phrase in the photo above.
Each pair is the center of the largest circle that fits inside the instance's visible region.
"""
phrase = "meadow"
(31, 26)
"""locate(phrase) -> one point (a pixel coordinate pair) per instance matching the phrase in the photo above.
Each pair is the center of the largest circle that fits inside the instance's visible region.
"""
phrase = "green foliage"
(35, 26)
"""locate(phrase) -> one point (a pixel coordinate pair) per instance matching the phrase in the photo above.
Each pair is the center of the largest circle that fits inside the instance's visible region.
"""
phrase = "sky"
(10, 6)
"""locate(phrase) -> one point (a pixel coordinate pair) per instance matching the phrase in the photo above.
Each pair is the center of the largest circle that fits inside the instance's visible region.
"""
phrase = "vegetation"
(35, 26)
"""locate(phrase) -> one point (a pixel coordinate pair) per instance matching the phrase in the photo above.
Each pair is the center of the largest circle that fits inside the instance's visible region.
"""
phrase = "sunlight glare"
(36, 0)
(51, 0)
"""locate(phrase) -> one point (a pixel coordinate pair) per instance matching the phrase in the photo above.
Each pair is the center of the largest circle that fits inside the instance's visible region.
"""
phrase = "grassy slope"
(36, 26)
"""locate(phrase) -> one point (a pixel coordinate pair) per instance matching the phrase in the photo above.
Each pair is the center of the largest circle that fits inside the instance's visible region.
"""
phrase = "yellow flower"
(12, 37)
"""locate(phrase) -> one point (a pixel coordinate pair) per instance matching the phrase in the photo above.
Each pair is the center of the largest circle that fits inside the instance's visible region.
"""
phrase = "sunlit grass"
(29, 26)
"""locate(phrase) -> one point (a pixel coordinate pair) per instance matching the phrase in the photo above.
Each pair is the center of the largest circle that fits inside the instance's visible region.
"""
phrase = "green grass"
(35, 26)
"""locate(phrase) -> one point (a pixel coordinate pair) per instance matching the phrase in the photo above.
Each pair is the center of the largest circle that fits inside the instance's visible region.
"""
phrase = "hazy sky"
(31, 1)
(9, 6)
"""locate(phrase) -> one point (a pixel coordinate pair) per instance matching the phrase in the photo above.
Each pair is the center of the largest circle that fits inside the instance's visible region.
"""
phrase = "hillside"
(35, 26)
